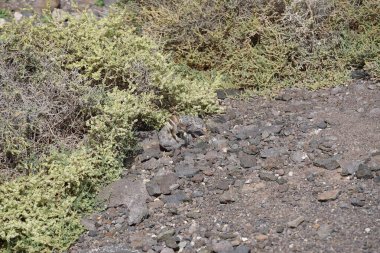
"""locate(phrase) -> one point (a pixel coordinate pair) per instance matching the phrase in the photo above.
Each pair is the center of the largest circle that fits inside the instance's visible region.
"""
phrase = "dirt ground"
(300, 173)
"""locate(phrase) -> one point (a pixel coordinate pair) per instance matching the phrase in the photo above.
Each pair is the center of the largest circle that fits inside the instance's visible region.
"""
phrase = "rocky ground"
(300, 173)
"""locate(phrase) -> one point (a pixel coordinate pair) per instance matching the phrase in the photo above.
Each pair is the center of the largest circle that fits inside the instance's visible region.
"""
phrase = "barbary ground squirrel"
(178, 129)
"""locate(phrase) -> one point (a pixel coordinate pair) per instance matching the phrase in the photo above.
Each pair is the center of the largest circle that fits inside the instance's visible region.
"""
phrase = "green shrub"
(100, 3)
(264, 45)
(4, 13)
(42, 107)
(40, 213)
(134, 85)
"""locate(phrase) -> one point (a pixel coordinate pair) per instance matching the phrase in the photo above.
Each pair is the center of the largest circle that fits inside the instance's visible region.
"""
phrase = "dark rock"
(227, 236)
(349, 167)
(245, 132)
(284, 97)
(197, 194)
(186, 172)
(151, 164)
(298, 156)
(165, 182)
(92, 233)
(223, 185)
(222, 247)
(311, 177)
(359, 74)
(280, 229)
(228, 197)
(272, 152)
(153, 188)
(167, 250)
(176, 198)
(242, 249)
(130, 193)
(322, 125)
(281, 180)
(357, 202)
(364, 172)
(164, 233)
(247, 161)
(251, 149)
(267, 176)
(170, 242)
(328, 164)
(150, 147)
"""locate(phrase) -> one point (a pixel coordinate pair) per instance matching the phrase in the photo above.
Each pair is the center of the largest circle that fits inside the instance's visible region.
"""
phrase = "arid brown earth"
(300, 173)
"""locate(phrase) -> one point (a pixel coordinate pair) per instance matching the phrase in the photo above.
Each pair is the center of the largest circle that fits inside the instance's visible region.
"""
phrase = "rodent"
(177, 129)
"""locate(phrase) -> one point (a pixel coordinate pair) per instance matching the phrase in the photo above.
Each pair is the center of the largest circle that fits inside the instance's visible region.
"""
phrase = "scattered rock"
(267, 176)
(272, 152)
(242, 249)
(222, 247)
(357, 202)
(349, 167)
(328, 164)
(295, 223)
(186, 170)
(130, 193)
(375, 112)
(165, 182)
(328, 195)
(228, 197)
(298, 156)
(167, 250)
(364, 172)
(247, 161)
(176, 198)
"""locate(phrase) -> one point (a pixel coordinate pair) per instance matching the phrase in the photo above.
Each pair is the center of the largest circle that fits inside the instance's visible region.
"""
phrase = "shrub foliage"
(265, 45)
(72, 95)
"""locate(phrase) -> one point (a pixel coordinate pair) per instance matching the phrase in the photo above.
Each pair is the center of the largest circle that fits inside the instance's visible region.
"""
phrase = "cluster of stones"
(218, 193)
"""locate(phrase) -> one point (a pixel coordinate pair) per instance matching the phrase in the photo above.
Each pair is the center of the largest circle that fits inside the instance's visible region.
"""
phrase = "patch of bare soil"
(297, 174)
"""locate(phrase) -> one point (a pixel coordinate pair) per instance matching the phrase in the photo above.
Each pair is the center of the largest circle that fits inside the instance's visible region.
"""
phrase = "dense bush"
(73, 94)
(42, 107)
(265, 44)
